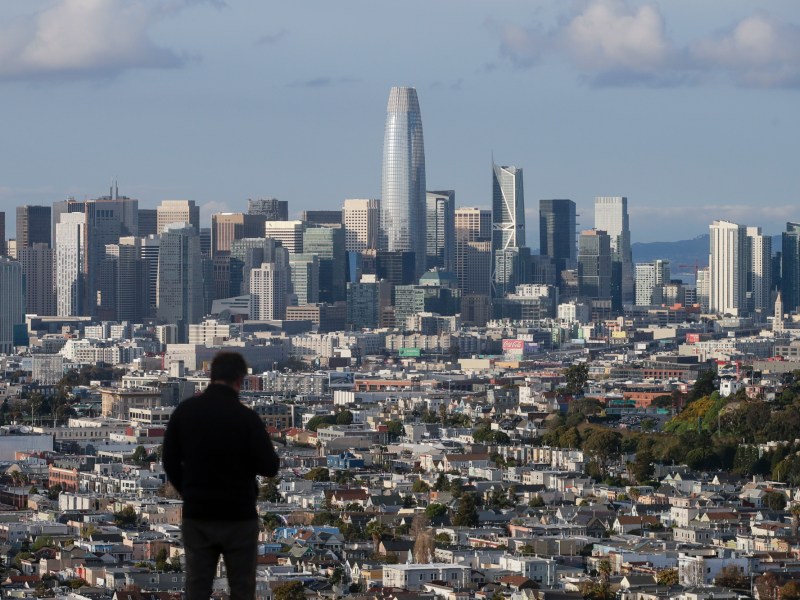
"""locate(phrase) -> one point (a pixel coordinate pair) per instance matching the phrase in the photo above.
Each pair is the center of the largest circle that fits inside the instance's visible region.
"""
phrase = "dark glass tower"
(557, 233)
(402, 227)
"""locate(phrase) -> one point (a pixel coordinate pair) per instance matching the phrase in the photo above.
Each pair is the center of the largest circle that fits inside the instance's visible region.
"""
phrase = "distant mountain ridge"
(682, 252)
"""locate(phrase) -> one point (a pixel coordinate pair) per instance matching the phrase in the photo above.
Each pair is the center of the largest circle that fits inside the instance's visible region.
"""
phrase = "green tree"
(667, 577)
(291, 590)
(790, 591)
(435, 510)
(466, 514)
(420, 487)
(703, 386)
(269, 491)
(642, 468)
(126, 517)
(576, 376)
(139, 455)
(344, 417)
(536, 501)
(775, 501)
(731, 577)
(320, 421)
(318, 474)
(376, 530)
(395, 429)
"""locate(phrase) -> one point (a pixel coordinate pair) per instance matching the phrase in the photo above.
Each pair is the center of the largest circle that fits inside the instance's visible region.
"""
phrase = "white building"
(413, 577)
(361, 219)
(288, 233)
(649, 279)
(727, 268)
(70, 254)
(759, 276)
(268, 286)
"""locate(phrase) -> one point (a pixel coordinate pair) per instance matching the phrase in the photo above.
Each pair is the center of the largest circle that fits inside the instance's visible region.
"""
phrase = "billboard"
(513, 345)
(410, 352)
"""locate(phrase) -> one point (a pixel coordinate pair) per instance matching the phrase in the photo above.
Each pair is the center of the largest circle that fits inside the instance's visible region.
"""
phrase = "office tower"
(328, 244)
(177, 211)
(508, 208)
(33, 226)
(398, 268)
(125, 275)
(288, 233)
(271, 208)
(594, 265)
(759, 270)
(727, 268)
(790, 267)
(649, 279)
(37, 269)
(611, 216)
(70, 252)
(305, 274)
(473, 229)
(148, 252)
(12, 303)
(323, 218)
(268, 291)
(227, 227)
(366, 300)
(180, 278)
(3, 248)
(68, 206)
(11, 249)
(441, 230)
(248, 254)
(703, 288)
(148, 221)
(511, 267)
(361, 218)
(402, 223)
(557, 222)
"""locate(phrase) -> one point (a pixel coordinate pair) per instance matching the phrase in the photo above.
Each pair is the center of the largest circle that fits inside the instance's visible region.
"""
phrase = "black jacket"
(213, 449)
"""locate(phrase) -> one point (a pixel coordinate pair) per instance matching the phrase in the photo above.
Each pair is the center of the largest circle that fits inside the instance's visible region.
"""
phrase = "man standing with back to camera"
(213, 449)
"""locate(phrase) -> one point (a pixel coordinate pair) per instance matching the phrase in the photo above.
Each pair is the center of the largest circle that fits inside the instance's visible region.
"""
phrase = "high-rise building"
(268, 292)
(149, 251)
(402, 223)
(441, 230)
(12, 303)
(759, 272)
(703, 288)
(508, 208)
(473, 229)
(127, 279)
(288, 233)
(398, 268)
(323, 218)
(227, 227)
(328, 244)
(305, 273)
(3, 248)
(727, 268)
(611, 216)
(33, 226)
(594, 265)
(271, 208)
(248, 254)
(69, 205)
(177, 211)
(37, 269)
(148, 221)
(790, 267)
(361, 219)
(557, 222)
(650, 277)
(70, 253)
(366, 300)
(180, 278)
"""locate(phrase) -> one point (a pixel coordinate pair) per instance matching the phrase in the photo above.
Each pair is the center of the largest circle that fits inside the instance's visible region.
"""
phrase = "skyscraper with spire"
(402, 226)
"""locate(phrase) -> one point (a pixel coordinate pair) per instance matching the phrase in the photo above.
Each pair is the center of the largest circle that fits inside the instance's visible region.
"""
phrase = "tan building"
(116, 403)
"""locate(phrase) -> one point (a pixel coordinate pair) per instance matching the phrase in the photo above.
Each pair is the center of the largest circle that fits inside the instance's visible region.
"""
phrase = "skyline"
(209, 101)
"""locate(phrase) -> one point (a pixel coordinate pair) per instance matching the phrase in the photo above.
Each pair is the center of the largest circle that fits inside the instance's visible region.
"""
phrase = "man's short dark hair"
(229, 367)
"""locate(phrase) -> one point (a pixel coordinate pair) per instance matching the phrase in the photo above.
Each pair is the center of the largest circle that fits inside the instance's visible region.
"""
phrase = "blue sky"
(688, 107)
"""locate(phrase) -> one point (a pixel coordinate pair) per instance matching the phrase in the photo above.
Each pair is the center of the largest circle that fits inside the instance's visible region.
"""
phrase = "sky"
(687, 107)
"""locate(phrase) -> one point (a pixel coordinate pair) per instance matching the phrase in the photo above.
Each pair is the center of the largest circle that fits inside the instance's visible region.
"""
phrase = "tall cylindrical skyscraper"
(403, 195)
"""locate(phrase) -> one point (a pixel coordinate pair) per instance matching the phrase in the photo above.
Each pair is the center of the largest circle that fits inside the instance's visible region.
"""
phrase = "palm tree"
(377, 530)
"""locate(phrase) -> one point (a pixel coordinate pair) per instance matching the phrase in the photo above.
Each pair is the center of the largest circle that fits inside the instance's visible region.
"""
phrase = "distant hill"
(682, 252)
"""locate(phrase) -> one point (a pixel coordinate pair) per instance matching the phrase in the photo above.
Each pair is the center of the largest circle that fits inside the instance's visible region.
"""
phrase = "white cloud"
(613, 42)
(758, 51)
(75, 39)
(609, 36)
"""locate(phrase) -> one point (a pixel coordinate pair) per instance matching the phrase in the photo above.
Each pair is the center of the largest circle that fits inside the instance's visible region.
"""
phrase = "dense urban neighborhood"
(652, 461)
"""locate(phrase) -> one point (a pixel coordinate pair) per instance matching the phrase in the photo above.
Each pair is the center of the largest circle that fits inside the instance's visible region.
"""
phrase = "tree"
(424, 546)
(420, 487)
(54, 491)
(536, 501)
(576, 377)
(395, 429)
(442, 483)
(435, 510)
(703, 386)
(667, 577)
(291, 590)
(320, 421)
(466, 514)
(790, 591)
(126, 517)
(376, 530)
(139, 455)
(269, 491)
(318, 474)
(344, 417)
(642, 467)
(775, 501)
(731, 577)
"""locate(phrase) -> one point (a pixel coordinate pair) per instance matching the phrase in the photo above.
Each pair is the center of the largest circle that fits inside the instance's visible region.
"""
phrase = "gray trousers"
(205, 541)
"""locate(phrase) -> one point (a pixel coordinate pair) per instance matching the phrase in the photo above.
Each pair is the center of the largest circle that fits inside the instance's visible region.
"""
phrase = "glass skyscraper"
(402, 227)
(557, 220)
(508, 208)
